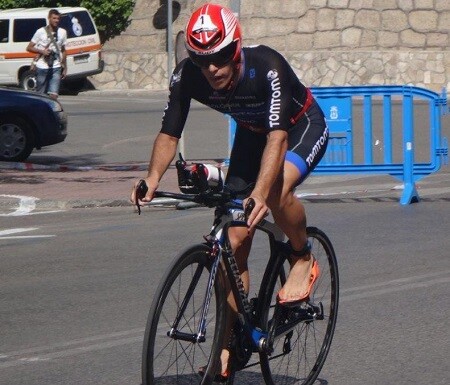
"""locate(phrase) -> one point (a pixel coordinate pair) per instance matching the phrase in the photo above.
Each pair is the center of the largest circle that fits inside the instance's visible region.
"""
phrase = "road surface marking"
(6, 234)
(135, 336)
(26, 206)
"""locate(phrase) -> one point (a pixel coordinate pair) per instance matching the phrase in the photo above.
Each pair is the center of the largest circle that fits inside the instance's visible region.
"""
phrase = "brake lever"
(141, 191)
(249, 208)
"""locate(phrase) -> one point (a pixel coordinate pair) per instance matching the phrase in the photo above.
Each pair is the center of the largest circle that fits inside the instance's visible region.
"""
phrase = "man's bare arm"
(164, 150)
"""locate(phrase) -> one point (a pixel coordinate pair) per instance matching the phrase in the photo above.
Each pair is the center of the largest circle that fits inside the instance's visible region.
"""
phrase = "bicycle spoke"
(179, 304)
(310, 338)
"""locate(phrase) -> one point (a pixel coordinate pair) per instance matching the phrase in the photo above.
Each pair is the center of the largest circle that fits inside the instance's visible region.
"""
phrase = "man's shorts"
(307, 143)
(48, 80)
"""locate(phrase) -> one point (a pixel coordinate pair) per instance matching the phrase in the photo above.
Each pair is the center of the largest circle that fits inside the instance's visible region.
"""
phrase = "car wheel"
(28, 80)
(16, 139)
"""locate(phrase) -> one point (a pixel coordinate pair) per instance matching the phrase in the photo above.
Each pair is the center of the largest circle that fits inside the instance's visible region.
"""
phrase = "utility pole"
(235, 6)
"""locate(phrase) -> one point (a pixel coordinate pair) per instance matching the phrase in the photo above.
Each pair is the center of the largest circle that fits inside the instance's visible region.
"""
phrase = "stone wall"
(328, 42)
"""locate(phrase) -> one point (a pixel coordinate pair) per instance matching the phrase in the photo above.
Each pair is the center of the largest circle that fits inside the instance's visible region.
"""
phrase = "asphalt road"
(76, 287)
(120, 129)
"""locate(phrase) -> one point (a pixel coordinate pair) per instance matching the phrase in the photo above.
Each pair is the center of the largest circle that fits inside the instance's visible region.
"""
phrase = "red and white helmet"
(213, 35)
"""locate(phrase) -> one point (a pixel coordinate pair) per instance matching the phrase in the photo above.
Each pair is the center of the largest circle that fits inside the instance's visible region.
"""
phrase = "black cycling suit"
(267, 97)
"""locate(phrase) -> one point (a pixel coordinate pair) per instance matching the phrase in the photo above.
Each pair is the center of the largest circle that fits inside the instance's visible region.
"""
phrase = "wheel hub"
(12, 140)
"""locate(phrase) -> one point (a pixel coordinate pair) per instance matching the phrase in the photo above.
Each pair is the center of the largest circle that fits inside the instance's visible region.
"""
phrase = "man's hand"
(135, 199)
(258, 213)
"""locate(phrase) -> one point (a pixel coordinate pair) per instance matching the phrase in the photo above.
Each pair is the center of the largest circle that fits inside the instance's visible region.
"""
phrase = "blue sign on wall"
(338, 115)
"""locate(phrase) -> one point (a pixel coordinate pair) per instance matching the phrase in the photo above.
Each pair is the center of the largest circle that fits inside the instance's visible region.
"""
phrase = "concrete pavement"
(59, 186)
(108, 186)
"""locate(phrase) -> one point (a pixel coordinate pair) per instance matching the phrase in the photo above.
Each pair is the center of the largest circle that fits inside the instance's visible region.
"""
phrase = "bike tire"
(299, 356)
(166, 360)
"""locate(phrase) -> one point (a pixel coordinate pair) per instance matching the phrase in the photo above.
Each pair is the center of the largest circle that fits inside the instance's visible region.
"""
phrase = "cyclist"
(281, 135)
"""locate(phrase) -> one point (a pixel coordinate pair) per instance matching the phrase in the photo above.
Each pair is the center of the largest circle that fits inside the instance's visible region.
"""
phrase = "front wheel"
(177, 307)
(299, 355)
(17, 139)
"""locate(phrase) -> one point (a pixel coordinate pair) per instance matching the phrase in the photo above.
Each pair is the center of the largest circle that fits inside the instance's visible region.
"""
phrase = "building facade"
(328, 42)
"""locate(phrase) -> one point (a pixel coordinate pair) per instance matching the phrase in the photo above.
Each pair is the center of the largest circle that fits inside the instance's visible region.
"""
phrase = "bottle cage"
(193, 179)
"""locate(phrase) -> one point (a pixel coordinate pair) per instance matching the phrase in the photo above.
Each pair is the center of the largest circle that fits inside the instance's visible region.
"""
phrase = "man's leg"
(241, 243)
(245, 162)
(41, 76)
(289, 214)
(54, 81)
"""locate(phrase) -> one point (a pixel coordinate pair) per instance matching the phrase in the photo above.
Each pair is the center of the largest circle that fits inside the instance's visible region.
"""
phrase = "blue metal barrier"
(339, 158)
(345, 155)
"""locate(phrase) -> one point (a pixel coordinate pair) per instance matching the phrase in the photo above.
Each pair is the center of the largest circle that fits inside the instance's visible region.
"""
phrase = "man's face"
(219, 78)
(53, 20)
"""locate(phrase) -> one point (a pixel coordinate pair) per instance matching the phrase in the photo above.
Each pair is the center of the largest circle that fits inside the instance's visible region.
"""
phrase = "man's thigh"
(245, 159)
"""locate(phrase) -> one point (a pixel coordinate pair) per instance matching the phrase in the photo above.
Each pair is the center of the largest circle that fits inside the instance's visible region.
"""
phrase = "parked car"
(28, 120)
(83, 47)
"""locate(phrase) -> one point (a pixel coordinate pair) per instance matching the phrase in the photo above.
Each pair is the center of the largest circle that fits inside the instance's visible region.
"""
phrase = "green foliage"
(111, 17)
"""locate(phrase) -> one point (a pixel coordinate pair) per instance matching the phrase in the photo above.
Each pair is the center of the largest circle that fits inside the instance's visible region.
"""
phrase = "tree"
(111, 17)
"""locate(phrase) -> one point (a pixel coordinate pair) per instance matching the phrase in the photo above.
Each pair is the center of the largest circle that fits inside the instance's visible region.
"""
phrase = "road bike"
(186, 321)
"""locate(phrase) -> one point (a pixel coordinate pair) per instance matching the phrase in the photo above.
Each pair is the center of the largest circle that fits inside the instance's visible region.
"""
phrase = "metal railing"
(382, 138)
(384, 147)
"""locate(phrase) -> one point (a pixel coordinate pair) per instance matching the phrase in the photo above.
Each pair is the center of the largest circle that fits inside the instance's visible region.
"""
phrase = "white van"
(17, 27)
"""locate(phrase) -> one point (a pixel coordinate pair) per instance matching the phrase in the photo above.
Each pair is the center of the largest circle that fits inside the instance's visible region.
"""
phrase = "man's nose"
(212, 68)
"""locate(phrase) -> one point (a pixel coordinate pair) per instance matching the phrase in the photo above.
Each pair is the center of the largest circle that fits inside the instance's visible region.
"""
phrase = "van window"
(77, 24)
(24, 29)
(4, 31)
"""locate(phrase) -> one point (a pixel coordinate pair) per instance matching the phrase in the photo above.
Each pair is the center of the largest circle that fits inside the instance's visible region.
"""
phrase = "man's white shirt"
(42, 41)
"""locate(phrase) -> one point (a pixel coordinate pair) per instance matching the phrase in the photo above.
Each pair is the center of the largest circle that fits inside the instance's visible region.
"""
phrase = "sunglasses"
(218, 59)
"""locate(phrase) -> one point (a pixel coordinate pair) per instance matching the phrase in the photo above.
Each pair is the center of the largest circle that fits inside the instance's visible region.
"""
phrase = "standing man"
(49, 45)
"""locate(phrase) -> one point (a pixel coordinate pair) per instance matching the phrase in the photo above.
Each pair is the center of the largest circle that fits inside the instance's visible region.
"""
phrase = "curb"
(124, 92)
(26, 166)
(64, 168)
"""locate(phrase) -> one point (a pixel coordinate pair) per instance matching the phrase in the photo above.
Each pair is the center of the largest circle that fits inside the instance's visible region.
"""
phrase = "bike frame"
(234, 216)
(230, 213)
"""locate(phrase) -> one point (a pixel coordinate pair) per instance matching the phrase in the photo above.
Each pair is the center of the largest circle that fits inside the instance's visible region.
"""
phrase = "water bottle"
(198, 177)
(214, 175)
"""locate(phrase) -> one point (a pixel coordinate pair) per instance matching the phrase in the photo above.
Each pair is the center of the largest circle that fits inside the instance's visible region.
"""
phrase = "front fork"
(216, 255)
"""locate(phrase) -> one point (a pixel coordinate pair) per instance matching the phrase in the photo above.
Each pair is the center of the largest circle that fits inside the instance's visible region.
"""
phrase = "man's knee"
(239, 237)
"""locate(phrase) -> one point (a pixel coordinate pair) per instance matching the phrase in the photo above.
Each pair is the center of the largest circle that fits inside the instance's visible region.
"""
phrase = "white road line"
(107, 341)
(70, 348)
(27, 205)
(28, 237)
(6, 234)
(17, 230)
(138, 139)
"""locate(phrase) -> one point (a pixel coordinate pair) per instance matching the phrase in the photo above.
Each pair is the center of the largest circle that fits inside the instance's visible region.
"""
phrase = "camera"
(50, 59)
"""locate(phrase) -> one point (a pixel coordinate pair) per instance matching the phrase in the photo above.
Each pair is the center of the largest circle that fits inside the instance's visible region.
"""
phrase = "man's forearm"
(164, 150)
(33, 49)
(272, 162)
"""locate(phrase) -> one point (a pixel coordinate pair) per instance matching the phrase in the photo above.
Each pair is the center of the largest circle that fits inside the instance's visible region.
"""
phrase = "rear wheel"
(27, 80)
(177, 307)
(16, 139)
(299, 355)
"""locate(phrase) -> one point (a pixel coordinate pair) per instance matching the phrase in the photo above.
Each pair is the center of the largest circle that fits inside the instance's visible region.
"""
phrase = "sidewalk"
(110, 186)
(71, 188)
